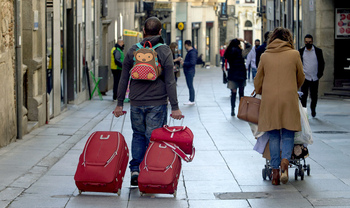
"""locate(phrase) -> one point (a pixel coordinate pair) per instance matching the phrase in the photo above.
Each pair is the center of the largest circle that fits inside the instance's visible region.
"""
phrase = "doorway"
(248, 36)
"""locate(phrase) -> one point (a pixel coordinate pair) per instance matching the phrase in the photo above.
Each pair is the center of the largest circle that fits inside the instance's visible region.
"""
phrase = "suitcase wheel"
(142, 194)
(119, 192)
(175, 192)
(80, 192)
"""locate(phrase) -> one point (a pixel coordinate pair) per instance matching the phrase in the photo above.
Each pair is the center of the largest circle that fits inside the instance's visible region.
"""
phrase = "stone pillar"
(323, 32)
(214, 45)
(323, 39)
(202, 39)
(173, 23)
(8, 130)
(188, 27)
(34, 57)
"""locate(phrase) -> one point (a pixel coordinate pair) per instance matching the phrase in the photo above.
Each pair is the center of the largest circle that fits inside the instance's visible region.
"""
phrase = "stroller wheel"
(308, 170)
(296, 174)
(264, 174)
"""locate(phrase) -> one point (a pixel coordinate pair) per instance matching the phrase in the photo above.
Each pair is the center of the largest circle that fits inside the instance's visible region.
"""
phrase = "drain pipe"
(18, 60)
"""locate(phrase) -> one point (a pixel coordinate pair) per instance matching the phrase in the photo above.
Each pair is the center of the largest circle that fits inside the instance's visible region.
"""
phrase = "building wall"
(319, 22)
(34, 57)
(325, 36)
(7, 68)
(236, 22)
(203, 15)
(121, 16)
(247, 12)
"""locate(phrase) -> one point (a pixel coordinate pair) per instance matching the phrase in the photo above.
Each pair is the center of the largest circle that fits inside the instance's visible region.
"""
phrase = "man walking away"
(313, 64)
(148, 99)
(261, 49)
(117, 58)
(189, 65)
(251, 59)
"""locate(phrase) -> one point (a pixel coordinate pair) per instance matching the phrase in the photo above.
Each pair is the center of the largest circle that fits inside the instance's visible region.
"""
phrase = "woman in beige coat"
(280, 75)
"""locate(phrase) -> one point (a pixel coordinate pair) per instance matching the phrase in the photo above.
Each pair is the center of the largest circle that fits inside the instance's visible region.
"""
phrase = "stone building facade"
(7, 79)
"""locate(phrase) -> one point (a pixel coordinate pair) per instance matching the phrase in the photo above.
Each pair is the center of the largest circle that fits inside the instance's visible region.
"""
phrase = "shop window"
(249, 1)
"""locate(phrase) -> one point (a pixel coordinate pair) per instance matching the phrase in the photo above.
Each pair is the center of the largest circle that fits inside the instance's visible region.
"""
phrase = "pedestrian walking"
(174, 48)
(189, 65)
(222, 53)
(148, 99)
(261, 49)
(237, 73)
(280, 74)
(117, 58)
(250, 62)
(313, 65)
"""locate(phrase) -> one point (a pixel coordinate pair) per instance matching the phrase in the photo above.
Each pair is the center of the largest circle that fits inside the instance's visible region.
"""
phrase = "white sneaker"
(189, 103)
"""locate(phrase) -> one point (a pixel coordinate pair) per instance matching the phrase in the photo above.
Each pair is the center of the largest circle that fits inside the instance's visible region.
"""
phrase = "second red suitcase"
(159, 170)
(103, 163)
(182, 136)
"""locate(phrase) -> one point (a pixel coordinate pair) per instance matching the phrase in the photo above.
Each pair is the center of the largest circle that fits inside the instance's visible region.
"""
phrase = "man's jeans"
(189, 80)
(275, 137)
(254, 70)
(144, 119)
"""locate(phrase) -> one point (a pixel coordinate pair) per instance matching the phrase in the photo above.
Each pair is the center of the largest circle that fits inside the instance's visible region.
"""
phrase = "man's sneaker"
(134, 177)
(189, 103)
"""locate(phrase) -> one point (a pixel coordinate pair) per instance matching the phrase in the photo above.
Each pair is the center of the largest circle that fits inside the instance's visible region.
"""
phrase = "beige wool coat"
(280, 74)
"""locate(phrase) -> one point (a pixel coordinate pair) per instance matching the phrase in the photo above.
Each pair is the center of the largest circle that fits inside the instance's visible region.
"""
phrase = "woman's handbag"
(249, 109)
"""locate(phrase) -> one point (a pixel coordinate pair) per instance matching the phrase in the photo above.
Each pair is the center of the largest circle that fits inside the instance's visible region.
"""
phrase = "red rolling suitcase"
(103, 163)
(181, 136)
(159, 170)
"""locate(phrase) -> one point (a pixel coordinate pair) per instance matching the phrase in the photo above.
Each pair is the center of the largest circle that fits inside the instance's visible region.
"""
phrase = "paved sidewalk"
(38, 170)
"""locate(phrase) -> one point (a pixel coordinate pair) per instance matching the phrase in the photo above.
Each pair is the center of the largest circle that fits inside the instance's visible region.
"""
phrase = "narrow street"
(38, 170)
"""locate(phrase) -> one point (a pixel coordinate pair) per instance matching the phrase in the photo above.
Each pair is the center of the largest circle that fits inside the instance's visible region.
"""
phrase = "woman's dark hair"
(266, 36)
(233, 44)
(282, 34)
(152, 26)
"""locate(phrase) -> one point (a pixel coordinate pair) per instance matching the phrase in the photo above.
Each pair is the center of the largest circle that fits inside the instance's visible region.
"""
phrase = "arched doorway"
(248, 32)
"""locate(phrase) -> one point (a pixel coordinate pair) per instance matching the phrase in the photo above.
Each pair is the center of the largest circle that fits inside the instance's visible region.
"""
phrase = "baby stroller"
(299, 154)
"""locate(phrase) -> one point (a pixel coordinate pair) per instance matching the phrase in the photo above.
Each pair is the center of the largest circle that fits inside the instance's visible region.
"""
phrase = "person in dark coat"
(189, 67)
(261, 49)
(313, 64)
(237, 73)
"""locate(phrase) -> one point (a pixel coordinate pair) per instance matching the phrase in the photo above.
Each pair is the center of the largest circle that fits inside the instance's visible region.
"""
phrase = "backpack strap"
(156, 46)
(139, 45)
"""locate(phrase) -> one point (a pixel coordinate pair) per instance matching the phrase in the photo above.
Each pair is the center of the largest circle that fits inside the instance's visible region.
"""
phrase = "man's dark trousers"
(313, 86)
(116, 77)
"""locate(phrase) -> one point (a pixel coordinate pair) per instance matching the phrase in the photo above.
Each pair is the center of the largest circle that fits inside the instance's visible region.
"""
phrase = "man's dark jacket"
(320, 60)
(260, 50)
(150, 93)
(190, 61)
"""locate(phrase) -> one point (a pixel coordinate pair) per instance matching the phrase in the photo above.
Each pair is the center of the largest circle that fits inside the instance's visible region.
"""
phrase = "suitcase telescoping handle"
(121, 131)
(172, 119)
